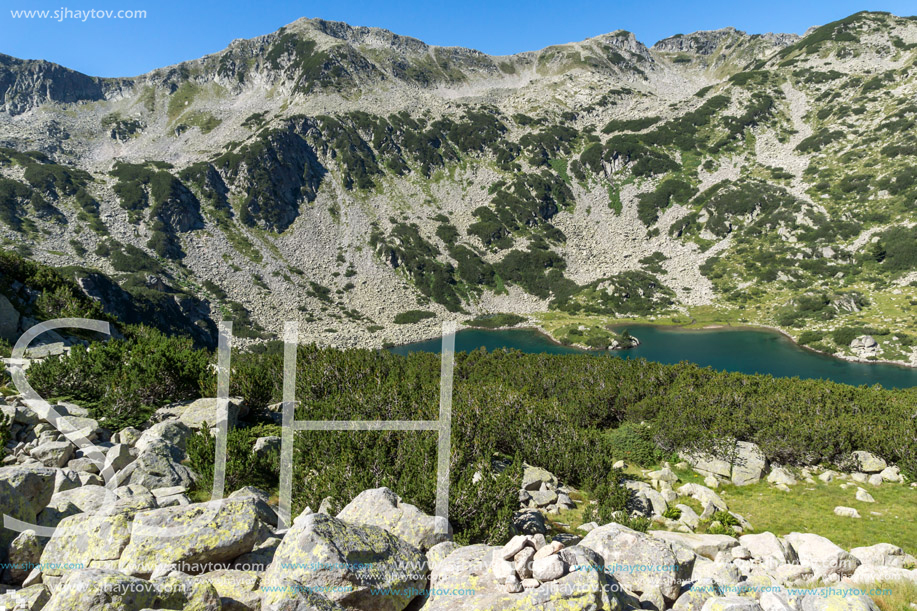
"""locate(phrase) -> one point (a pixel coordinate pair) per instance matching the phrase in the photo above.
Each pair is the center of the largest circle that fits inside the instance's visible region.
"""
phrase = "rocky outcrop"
(27, 84)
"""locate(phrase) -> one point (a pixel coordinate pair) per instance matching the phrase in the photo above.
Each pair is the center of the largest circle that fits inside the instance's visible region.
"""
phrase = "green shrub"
(672, 513)
(493, 321)
(243, 466)
(412, 316)
(634, 443)
(123, 381)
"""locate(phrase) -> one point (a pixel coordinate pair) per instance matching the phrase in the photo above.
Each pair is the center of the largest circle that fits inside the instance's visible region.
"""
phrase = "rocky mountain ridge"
(348, 177)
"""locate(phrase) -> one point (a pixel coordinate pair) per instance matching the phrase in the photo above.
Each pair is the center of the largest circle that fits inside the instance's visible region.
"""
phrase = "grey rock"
(207, 533)
(824, 557)
(867, 462)
(529, 522)
(101, 590)
(53, 453)
(619, 545)
(383, 508)
(24, 555)
(548, 568)
(382, 562)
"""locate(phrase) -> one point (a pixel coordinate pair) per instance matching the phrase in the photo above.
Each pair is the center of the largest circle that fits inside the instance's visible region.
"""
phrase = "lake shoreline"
(754, 349)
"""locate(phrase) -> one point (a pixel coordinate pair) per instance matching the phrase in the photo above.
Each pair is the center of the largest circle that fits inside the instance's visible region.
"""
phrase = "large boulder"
(32, 598)
(748, 464)
(767, 547)
(624, 551)
(528, 522)
(731, 603)
(158, 466)
(823, 599)
(362, 567)
(743, 462)
(867, 462)
(88, 499)
(534, 477)
(101, 590)
(24, 492)
(824, 557)
(289, 595)
(89, 541)
(53, 453)
(24, 554)
(883, 554)
(202, 412)
(237, 590)
(383, 508)
(463, 581)
(192, 536)
(172, 432)
(709, 464)
(178, 590)
(707, 546)
(867, 574)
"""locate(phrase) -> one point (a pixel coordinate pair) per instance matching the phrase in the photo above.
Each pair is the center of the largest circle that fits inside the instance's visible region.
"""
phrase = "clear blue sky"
(175, 31)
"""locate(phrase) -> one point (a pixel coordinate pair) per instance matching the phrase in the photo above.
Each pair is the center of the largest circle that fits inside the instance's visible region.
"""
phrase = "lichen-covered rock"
(867, 462)
(619, 545)
(53, 453)
(25, 554)
(351, 561)
(748, 464)
(534, 477)
(184, 593)
(383, 508)
(24, 491)
(32, 598)
(883, 554)
(464, 582)
(694, 598)
(90, 541)
(101, 590)
(731, 603)
(440, 552)
(172, 432)
(197, 534)
(202, 412)
(824, 600)
(289, 595)
(237, 590)
(159, 466)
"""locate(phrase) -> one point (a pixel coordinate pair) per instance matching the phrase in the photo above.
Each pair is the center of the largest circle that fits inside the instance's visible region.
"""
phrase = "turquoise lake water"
(744, 351)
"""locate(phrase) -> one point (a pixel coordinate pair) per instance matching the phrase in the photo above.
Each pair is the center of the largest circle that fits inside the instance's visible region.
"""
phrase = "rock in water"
(350, 561)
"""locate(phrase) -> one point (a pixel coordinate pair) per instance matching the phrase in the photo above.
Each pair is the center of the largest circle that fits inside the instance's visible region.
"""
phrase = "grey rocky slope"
(342, 176)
